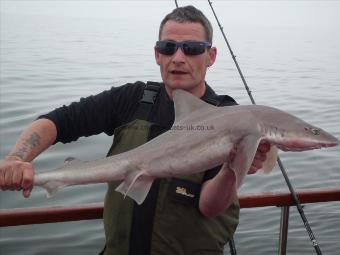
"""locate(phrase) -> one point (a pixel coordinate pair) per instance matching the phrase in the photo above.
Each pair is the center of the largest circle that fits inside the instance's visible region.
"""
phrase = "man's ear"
(212, 56)
(157, 55)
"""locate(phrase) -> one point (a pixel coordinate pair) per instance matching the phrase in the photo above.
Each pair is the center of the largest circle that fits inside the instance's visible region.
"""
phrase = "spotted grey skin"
(202, 137)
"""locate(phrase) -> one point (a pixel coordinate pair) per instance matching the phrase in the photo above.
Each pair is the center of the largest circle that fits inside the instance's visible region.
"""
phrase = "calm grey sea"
(54, 52)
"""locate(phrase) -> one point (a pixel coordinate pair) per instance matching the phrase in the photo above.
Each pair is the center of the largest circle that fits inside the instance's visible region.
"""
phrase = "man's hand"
(218, 193)
(16, 175)
(260, 157)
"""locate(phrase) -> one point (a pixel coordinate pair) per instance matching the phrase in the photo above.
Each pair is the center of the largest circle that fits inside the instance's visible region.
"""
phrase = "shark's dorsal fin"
(186, 103)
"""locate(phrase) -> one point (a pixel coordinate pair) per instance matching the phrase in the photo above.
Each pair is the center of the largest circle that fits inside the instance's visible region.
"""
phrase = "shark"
(203, 136)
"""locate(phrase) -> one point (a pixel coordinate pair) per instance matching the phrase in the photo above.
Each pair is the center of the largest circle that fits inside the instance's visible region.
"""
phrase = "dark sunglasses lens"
(189, 48)
(193, 48)
(166, 47)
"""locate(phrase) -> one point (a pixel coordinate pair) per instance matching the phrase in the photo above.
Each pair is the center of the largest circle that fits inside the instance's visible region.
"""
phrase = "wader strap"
(151, 92)
(213, 101)
(220, 100)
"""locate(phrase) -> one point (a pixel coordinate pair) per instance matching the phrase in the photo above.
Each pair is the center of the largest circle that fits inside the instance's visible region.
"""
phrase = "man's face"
(180, 71)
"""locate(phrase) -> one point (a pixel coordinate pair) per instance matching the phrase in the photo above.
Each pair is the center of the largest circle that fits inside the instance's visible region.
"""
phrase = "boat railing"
(54, 214)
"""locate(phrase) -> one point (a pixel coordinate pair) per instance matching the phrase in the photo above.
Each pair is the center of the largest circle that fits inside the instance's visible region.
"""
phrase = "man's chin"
(180, 85)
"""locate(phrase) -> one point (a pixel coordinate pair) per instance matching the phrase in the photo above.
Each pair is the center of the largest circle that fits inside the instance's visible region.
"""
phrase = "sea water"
(54, 52)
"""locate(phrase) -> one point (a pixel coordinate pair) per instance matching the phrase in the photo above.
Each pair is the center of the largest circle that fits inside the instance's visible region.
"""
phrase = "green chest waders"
(178, 226)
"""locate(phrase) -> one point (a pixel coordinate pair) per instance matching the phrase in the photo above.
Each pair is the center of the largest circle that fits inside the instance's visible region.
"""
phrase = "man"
(168, 222)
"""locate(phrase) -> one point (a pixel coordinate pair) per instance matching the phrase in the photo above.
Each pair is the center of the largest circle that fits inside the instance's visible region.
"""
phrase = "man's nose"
(179, 56)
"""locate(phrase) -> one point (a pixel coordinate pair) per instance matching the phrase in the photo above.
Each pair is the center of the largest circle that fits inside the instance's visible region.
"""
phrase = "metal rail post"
(284, 222)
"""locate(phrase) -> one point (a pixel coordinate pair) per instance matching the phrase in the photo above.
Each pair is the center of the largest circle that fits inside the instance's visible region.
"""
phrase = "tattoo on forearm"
(32, 141)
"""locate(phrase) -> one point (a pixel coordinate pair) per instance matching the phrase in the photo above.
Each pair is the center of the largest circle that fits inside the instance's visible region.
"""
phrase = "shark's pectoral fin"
(244, 157)
(270, 162)
(136, 185)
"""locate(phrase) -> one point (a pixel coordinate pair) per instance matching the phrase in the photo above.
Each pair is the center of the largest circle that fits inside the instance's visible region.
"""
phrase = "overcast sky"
(287, 13)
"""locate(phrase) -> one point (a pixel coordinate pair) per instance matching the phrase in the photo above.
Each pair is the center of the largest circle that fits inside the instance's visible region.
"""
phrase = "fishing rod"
(282, 168)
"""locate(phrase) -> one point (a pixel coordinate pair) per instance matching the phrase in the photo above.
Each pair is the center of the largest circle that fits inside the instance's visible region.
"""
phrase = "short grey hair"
(188, 14)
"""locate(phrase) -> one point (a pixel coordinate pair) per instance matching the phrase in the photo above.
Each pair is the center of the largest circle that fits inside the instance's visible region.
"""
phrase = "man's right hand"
(16, 171)
(16, 175)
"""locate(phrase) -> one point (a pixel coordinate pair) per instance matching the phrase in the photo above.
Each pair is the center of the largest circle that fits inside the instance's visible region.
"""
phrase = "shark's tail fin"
(52, 187)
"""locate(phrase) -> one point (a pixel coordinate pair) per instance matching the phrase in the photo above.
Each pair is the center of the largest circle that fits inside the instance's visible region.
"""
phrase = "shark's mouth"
(288, 148)
(299, 146)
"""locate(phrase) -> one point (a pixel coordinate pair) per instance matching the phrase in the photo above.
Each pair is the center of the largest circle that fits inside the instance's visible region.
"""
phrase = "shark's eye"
(315, 131)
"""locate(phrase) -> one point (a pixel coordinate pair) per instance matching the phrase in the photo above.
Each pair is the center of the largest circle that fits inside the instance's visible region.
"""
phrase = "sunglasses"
(190, 48)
